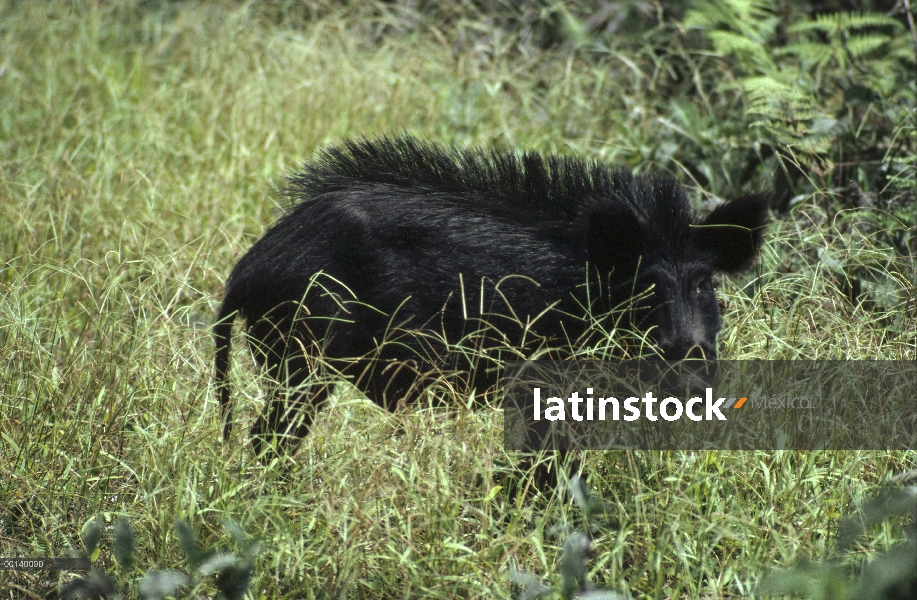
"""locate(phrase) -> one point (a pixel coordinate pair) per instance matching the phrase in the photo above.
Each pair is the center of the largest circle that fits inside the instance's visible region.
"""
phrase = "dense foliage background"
(140, 146)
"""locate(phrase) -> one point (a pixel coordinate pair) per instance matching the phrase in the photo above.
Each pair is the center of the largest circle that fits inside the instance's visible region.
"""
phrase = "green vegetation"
(139, 145)
(233, 573)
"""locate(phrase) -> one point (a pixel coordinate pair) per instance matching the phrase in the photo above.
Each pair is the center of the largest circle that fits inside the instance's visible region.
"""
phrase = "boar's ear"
(733, 232)
(615, 239)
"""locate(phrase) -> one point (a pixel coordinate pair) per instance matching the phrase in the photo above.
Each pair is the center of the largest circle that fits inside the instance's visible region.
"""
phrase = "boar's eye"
(703, 284)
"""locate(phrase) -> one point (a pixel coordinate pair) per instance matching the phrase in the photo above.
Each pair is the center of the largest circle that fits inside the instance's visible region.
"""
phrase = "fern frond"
(844, 21)
(853, 20)
(861, 45)
(788, 113)
(812, 52)
(753, 19)
(904, 53)
(763, 85)
(727, 42)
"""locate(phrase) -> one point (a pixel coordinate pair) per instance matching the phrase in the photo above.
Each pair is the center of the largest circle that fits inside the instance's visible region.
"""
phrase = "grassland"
(140, 147)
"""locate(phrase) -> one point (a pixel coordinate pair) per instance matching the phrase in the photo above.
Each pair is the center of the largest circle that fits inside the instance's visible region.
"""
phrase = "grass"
(138, 150)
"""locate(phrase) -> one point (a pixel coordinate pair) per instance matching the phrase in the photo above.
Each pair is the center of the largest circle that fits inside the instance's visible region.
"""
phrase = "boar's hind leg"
(389, 382)
(297, 392)
(287, 419)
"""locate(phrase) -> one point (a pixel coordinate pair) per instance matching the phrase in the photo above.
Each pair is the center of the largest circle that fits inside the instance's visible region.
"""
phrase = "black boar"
(389, 236)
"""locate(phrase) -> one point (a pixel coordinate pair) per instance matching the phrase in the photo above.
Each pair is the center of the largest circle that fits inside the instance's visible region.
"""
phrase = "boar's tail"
(222, 335)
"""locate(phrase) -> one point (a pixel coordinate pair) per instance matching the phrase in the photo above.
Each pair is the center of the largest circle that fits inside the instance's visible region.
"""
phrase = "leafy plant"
(810, 85)
(573, 582)
(232, 573)
(889, 576)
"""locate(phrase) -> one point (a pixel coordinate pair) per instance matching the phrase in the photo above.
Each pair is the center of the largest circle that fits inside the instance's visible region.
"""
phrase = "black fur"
(395, 235)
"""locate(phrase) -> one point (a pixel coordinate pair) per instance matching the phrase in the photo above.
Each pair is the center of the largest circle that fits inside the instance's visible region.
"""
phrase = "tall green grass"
(139, 147)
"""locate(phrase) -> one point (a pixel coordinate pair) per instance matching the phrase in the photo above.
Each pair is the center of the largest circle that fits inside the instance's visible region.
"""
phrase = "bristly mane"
(552, 185)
